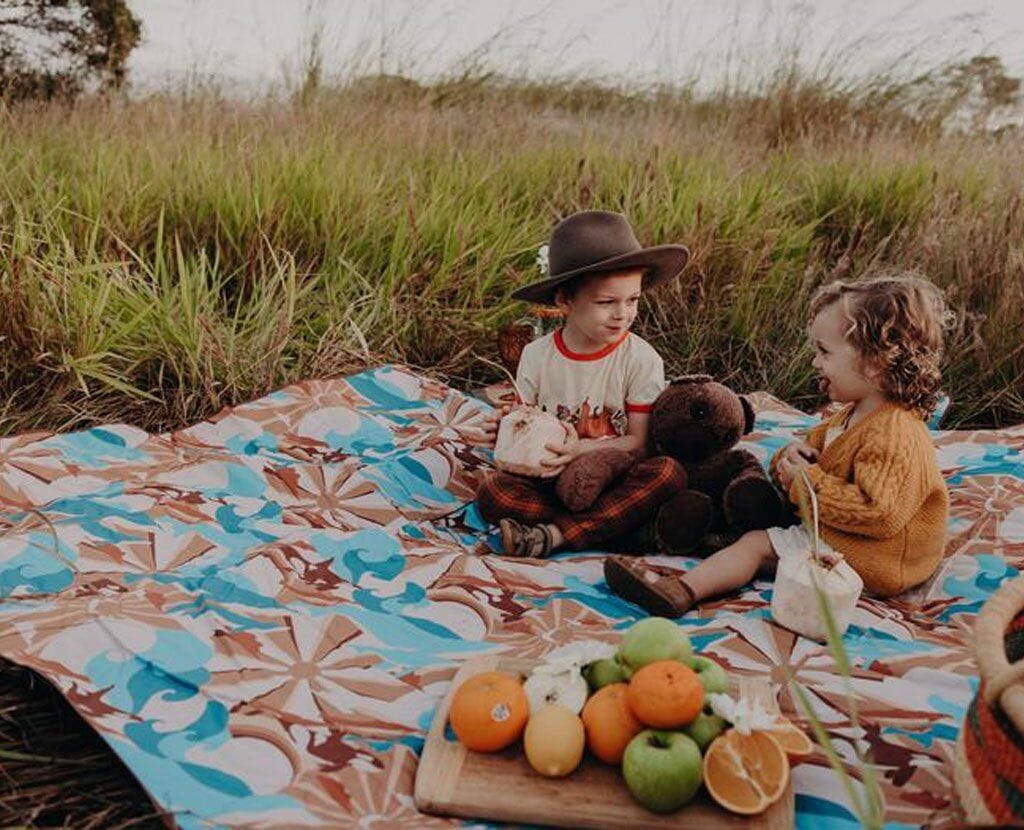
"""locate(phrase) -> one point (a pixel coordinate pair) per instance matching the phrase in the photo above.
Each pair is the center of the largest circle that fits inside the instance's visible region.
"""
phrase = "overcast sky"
(254, 43)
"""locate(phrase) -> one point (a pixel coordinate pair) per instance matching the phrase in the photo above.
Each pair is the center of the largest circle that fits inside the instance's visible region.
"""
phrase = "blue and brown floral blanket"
(261, 612)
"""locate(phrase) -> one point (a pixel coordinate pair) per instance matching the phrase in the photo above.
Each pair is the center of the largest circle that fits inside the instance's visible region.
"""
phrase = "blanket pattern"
(260, 613)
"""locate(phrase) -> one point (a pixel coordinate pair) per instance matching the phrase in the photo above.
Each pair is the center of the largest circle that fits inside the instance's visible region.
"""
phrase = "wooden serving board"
(502, 786)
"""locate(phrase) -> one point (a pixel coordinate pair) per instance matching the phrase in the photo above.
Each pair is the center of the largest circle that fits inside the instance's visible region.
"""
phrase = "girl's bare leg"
(672, 596)
(731, 567)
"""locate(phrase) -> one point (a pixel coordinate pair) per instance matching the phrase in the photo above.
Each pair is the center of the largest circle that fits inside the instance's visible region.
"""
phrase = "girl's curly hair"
(897, 321)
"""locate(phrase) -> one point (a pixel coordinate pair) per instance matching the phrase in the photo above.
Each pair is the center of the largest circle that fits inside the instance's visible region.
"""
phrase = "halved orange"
(746, 774)
(792, 739)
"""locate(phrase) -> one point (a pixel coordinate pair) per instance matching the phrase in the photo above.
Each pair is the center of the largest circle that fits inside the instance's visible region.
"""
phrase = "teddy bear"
(698, 422)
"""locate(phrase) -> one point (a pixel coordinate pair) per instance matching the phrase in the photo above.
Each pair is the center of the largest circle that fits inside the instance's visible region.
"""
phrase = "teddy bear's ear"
(682, 379)
(748, 415)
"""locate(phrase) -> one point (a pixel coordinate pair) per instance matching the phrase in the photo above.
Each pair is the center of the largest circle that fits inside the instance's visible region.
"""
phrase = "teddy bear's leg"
(585, 478)
(682, 522)
(751, 502)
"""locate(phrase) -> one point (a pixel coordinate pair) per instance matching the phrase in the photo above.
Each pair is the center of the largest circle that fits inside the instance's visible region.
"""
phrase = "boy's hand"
(487, 436)
(563, 453)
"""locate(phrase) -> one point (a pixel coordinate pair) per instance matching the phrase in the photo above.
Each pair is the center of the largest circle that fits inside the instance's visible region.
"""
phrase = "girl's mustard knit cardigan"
(882, 501)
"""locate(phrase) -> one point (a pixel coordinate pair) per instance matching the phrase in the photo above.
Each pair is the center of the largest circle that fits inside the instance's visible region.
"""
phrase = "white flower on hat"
(542, 259)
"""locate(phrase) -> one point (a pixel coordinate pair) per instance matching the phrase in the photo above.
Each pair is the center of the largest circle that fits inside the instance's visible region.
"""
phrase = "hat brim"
(660, 263)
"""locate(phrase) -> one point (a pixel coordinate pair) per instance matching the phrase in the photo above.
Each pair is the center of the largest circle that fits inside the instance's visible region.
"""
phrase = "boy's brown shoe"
(525, 541)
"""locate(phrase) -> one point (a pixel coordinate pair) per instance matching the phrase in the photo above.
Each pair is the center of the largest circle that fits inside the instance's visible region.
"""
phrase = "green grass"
(164, 258)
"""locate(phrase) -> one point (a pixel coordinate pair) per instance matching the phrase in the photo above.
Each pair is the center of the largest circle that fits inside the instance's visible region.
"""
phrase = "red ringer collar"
(603, 352)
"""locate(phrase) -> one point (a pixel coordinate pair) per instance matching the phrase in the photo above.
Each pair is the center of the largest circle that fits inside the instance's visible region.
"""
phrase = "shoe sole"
(628, 585)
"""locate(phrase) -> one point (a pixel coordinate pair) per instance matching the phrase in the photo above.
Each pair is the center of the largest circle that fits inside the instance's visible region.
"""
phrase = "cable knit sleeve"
(816, 435)
(887, 490)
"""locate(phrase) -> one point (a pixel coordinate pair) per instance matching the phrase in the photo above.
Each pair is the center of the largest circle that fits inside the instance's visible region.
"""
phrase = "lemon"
(554, 740)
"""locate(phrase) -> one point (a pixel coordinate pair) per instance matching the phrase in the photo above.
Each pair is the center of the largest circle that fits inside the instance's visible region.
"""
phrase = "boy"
(596, 375)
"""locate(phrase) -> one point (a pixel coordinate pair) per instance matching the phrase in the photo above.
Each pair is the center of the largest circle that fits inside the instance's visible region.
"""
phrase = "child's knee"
(758, 545)
(673, 472)
(488, 500)
(669, 473)
(502, 496)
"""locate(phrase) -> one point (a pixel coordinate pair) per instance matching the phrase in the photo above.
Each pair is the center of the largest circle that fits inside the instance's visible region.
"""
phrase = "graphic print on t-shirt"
(594, 422)
(594, 392)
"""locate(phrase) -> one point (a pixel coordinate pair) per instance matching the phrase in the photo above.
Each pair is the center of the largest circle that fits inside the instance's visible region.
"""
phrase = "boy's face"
(603, 307)
(845, 377)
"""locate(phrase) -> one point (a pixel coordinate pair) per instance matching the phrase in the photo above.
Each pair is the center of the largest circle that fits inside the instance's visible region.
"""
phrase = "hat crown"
(589, 238)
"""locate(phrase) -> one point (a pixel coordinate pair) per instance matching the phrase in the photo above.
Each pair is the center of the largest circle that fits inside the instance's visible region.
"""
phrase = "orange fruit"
(792, 739)
(745, 773)
(489, 711)
(609, 722)
(665, 694)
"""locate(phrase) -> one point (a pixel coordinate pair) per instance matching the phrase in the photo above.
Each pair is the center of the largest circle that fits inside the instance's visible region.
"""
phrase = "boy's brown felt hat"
(593, 241)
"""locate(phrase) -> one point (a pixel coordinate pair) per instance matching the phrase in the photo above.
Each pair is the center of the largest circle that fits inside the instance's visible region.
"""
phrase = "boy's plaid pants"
(630, 503)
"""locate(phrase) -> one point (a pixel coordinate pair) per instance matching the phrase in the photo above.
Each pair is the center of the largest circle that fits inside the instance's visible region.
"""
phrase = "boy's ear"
(748, 415)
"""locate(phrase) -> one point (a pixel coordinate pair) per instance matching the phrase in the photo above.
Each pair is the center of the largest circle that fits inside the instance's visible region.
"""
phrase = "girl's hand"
(799, 451)
(784, 473)
(787, 470)
(794, 454)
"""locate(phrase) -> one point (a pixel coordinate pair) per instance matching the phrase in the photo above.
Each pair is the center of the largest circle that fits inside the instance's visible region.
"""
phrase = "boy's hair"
(571, 288)
(897, 322)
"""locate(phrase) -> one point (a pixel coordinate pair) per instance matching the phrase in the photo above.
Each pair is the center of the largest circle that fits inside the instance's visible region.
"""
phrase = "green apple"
(663, 770)
(651, 639)
(705, 728)
(711, 675)
(604, 672)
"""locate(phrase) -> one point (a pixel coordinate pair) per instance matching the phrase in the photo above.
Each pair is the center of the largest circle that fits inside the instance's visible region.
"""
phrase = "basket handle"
(998, 673)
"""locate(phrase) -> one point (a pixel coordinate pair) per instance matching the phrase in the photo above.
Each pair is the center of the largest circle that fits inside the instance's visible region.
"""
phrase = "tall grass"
(163, 258)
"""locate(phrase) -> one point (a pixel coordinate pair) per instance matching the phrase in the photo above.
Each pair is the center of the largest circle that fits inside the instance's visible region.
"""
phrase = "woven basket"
(989, 769)
(512, 339)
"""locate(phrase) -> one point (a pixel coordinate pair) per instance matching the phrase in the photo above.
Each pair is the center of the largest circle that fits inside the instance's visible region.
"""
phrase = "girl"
(882, 501)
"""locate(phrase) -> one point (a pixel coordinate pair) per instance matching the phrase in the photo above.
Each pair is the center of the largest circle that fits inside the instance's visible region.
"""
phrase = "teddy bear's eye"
(698, 410)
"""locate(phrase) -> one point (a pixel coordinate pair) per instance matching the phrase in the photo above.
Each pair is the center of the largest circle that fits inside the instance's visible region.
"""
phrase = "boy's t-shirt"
(594, 391)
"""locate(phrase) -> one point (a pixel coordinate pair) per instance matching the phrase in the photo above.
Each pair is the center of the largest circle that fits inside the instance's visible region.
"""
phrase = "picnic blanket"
(260, 613)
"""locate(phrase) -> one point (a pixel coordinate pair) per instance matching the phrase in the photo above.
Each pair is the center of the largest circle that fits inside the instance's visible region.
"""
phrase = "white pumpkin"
(523, 436)
(795, 601)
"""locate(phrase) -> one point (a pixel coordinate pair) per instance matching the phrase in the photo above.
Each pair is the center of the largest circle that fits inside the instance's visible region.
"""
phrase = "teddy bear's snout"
(685, 445)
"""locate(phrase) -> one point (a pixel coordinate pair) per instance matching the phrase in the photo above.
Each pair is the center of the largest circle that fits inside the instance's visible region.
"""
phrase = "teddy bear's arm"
(713, 476)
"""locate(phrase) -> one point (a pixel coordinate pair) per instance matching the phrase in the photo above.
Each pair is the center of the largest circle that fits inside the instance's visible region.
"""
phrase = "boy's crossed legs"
(534, 522)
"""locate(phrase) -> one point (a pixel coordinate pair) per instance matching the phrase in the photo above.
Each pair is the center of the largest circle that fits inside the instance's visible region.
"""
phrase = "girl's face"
(845, 377)
(603, 307)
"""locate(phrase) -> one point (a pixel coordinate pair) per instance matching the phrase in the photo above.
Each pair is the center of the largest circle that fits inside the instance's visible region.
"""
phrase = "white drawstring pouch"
(794, 598)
